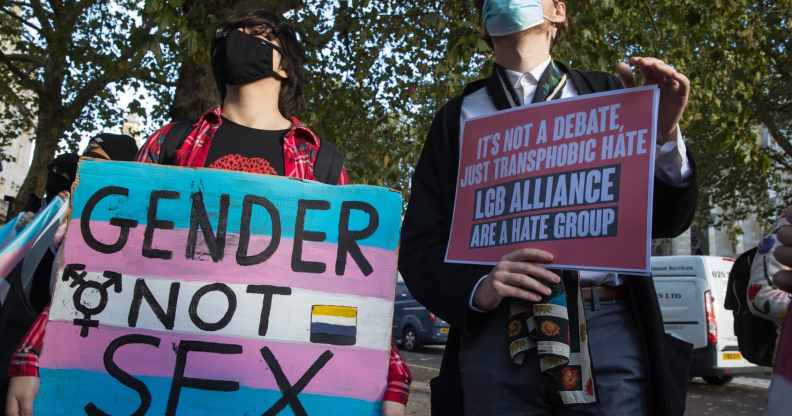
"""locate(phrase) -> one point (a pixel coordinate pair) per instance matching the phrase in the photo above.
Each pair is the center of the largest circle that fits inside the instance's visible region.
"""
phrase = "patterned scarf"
(555, 326)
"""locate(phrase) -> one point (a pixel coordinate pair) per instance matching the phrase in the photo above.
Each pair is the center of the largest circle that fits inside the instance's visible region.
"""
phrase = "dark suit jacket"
(445, 288)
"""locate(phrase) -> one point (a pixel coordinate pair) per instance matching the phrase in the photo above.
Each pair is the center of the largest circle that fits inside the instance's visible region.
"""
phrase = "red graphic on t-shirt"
(244, 164)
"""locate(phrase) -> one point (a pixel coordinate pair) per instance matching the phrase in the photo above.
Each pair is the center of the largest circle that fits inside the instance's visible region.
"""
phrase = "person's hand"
(21, 392)
(783, 253)
(521, 275)
(393, 409)
(674, 92)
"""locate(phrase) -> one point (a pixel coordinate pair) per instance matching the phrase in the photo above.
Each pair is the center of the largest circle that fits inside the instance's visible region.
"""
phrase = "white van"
(691, 291)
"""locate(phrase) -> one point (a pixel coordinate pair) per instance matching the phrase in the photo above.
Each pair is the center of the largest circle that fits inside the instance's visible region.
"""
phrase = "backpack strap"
(173, 141)
(329, 163)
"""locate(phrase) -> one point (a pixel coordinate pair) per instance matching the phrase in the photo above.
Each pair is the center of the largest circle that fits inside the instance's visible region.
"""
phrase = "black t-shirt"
(236, 147)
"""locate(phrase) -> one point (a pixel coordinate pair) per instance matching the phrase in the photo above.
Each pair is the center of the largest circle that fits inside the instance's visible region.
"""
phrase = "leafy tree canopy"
(65, 63)
(380, 69)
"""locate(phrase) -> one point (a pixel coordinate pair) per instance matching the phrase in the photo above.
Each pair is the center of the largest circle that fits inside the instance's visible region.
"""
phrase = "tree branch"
(41, 15)
(21, 20)
(776, 132)
(27, 58)
(778, 158)
(23, 77)
(129, 60)
(143, 75)
(18, 103)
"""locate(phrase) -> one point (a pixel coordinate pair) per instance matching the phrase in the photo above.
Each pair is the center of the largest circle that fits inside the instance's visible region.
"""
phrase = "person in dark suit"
(637, 368)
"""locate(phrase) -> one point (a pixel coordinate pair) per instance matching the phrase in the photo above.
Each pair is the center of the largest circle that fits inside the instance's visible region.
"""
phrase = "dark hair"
(562, 27)
(291, 99)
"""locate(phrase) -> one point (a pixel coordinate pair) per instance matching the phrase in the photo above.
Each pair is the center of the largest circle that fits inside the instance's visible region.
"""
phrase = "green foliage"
(66, 64)
(734, 52)
(378, 70)
(381, 69)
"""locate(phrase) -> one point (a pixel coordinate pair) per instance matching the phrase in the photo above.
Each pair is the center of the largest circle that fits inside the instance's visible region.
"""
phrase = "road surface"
(743, 396)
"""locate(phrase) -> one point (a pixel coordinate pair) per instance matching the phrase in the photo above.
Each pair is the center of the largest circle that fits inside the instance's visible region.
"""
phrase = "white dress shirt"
(671, 163)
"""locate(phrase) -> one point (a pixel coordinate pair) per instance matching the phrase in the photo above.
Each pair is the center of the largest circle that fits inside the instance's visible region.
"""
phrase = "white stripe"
(554, 311)
(333, 320)
(558, 88)
(290, 317)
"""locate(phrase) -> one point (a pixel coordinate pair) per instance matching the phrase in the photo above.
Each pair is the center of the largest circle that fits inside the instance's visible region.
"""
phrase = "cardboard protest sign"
(199, 291)
(573, 177)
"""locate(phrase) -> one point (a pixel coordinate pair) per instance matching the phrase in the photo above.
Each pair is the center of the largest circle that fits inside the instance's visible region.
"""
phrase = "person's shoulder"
(472, 90)
(599, 80)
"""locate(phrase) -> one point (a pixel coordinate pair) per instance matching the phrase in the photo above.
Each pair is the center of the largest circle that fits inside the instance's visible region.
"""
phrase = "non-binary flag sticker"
(336, 325)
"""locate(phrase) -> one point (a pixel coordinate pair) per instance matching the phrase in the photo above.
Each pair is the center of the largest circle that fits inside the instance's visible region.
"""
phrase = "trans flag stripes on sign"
(194, 292)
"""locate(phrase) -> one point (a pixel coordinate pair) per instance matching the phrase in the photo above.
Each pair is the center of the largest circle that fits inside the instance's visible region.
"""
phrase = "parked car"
(413, 325)
(691, 290)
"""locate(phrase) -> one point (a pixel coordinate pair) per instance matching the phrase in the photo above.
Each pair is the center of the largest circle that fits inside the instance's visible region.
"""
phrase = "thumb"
(12, 406)
(625, 73)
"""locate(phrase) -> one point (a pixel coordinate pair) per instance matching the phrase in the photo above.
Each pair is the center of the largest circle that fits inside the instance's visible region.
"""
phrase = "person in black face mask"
(257, 61)
(60, 175)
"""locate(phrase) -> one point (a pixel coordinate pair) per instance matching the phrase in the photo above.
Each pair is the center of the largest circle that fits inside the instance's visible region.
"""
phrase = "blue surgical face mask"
(504, 17)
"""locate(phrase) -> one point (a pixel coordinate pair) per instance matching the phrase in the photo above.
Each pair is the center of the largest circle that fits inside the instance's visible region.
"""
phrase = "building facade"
(14, 171)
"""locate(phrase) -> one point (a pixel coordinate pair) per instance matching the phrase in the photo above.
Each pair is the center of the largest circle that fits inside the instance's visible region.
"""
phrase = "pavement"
(743, 396)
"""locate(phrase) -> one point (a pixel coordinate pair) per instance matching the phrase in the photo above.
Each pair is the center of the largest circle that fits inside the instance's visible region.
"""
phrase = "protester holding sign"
(773, 261)
(258, 65)
(767, 297)
(633, 368)
(62, 172)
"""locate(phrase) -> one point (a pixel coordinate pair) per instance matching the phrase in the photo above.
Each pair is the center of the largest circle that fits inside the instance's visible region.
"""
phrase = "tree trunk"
(196, 90)
(47, 134)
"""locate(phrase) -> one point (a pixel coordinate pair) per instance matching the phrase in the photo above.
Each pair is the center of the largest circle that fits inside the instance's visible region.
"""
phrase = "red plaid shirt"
(300, 148)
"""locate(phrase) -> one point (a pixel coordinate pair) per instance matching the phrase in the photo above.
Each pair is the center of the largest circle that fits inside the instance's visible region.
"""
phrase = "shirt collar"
(213, 116)
(531, 76)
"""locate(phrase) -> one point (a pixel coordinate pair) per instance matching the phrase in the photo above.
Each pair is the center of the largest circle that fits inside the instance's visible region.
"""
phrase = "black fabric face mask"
(55, 184)
(240, 58)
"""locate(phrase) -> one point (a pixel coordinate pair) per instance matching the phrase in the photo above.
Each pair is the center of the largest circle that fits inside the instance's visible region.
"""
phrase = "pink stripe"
(9, 260)
(275, 271)
(352, 372)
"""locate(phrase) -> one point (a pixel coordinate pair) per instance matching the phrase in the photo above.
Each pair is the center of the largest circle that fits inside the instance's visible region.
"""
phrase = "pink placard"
(573, 177)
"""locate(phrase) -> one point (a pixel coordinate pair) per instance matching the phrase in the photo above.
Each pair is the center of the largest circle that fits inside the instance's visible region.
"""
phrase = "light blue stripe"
(31, 231)
(283, 192)
(8, 230)
(66, 392)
